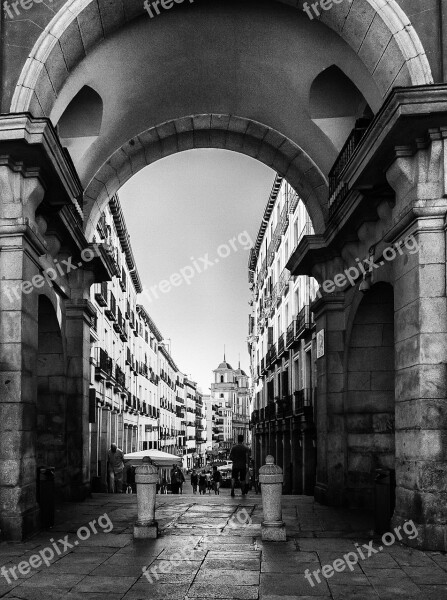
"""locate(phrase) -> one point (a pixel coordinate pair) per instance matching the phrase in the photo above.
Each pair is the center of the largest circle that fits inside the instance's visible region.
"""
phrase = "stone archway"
(51, 407)
(370, 403)
(209, 131)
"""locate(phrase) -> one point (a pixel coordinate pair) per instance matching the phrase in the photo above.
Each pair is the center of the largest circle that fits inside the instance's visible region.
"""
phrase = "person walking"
(115, 469)
(217, 478)
(239, 455)
(194, 481)
(177, 479)
(202, 483)
(209, 481)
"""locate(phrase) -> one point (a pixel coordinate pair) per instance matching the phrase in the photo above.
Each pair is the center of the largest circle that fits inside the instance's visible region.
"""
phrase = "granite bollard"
(146, 478)
(271, 478)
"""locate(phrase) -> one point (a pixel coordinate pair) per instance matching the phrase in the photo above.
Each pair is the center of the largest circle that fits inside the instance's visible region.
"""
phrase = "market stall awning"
(159, 458)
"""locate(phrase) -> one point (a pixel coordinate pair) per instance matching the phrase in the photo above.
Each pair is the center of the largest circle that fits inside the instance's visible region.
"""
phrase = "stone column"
(329, 315)
(420, 182)
(79, 313)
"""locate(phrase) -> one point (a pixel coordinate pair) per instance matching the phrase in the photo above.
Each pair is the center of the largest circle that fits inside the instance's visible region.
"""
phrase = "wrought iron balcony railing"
(338, 189)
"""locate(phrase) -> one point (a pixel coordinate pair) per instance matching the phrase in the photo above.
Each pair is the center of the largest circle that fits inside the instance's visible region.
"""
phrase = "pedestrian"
(164, 486)
(194, 481)
(177, 479)
(239, 455)
(217, 478)
(209, 481)
(202, 482)
(115, 469)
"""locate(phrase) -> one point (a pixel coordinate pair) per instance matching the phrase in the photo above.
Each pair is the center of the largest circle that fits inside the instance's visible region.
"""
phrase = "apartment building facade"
(282, 344)
(137, 393)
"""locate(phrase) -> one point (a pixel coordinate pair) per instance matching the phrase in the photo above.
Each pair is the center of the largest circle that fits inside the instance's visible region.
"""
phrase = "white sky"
(177, 210)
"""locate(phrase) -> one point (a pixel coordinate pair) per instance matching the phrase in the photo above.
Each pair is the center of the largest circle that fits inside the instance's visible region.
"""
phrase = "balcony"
(303, 322)
(123, 280)
(339, 189)
(263, 368)
(290, 334)
(270, 411)
(281, 346)
(255, 417)
(271, 355)
(110, 312)
(303, 400)
(283, 283)
(285, 406)
(103, 365)
(101, 296)
(120, 380)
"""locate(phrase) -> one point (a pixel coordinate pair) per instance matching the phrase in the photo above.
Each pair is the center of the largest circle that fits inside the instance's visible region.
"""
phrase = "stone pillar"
(271, 479)
(79, 314)
(419, 180)
(287, 463)
(330, 421)
(146, 477)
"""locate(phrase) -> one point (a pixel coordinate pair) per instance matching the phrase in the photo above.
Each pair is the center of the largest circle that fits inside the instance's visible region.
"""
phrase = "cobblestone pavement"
(226, 557)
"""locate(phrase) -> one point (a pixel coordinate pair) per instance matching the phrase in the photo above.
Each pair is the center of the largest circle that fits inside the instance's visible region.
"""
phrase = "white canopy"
(159, 458)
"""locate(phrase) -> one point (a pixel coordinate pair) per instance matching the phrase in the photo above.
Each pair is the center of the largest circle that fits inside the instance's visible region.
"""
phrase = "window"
(221, 379)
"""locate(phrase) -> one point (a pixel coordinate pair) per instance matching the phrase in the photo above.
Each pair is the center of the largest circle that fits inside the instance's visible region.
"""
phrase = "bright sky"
(179, 210)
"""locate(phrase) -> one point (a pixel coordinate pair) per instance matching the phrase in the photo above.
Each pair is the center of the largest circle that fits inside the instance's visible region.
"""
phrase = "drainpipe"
(442, 14)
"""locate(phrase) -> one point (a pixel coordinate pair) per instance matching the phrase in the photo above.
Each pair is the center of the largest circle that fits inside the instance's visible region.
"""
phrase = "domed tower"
(224, 396)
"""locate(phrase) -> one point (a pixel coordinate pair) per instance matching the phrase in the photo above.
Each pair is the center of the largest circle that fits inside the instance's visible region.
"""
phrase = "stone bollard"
(146, 477)
(271, 478)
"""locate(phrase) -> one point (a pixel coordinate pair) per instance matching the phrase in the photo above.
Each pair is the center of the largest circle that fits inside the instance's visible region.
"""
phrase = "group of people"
(206, 481)
(203, 481)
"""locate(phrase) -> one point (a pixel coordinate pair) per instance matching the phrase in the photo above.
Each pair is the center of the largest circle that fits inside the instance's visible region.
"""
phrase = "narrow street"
(221, 554)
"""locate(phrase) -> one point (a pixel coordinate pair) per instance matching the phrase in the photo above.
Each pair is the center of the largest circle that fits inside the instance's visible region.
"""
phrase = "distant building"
(230, 402)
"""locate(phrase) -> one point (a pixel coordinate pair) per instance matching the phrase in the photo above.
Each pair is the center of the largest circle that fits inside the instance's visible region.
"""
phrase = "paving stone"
(287, 566)
(157, 591)
(423, 575)
(292, 585)
(396, 589)
(160, 566)
(343, 592)
(216, 590)
(119, 584)
(433, 592)
(232, 563)
(46, 579)
(229, 578)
